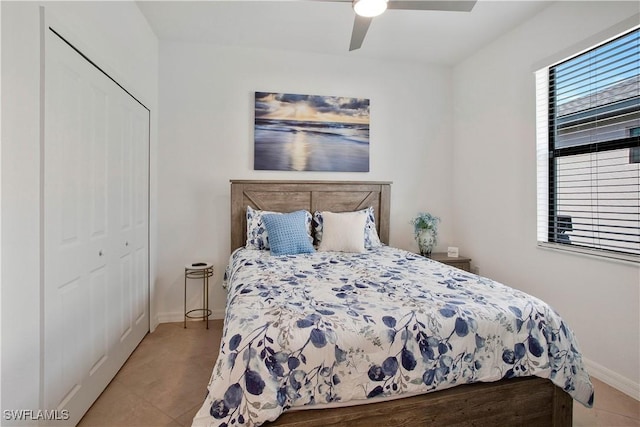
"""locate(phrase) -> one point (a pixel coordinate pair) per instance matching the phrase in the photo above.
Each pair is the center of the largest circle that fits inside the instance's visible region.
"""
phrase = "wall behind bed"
(206, 139)
(495, 212)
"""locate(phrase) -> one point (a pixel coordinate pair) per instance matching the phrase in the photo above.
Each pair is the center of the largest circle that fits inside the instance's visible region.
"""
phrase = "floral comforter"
(335, 327)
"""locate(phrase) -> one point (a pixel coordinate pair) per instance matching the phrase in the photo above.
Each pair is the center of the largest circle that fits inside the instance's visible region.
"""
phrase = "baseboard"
(153, 324)
(170, 317)
(612, 378)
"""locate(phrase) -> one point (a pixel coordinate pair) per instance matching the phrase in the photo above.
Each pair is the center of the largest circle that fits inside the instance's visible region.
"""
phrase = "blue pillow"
(288, 233)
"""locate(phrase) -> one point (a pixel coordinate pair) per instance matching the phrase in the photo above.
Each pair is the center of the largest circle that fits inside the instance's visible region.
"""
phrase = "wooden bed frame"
(528, 401)
(289, 196)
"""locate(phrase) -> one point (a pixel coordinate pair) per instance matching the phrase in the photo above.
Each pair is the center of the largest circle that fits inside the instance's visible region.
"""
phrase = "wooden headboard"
(289, 196)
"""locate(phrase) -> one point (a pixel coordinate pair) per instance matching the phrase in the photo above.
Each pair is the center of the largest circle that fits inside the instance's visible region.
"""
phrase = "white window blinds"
(588, 139)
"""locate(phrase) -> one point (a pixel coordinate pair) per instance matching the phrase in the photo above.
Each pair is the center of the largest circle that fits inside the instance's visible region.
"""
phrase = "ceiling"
(443, 38)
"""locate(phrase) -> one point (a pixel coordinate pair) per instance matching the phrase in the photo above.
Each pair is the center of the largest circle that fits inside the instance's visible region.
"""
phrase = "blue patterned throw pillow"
(257, 235)
(288, 233)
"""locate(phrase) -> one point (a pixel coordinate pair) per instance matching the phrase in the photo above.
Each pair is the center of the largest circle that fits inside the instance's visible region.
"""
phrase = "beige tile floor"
(164, 383)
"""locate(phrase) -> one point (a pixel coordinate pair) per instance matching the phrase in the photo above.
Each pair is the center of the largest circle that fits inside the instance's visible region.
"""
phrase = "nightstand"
(463, 263)
(198, 270)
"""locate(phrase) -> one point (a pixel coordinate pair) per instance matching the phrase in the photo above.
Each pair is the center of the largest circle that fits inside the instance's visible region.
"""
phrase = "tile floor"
(164, 383)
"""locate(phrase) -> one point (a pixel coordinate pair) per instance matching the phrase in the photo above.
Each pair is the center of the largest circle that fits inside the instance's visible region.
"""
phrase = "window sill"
(592, 253)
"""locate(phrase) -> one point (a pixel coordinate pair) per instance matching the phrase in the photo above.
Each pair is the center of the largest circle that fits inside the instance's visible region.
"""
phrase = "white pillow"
(371, 239)
(343, 232)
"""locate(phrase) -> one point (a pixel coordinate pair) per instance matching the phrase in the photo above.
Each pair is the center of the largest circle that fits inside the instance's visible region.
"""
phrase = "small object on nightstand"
(198, 270)
(463, 263)
(452, 252)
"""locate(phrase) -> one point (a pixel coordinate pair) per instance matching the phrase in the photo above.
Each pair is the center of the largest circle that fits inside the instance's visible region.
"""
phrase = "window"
(588, 143)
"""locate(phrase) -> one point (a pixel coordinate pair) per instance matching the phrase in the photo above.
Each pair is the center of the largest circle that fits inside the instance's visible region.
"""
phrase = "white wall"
(117, 37)
(494, 190)
(206, 139)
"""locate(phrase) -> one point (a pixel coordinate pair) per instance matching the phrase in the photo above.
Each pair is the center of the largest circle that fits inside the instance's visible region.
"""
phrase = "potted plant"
(425, 229)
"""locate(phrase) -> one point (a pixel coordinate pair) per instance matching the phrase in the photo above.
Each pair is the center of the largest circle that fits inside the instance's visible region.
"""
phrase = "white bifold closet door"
(95, 228)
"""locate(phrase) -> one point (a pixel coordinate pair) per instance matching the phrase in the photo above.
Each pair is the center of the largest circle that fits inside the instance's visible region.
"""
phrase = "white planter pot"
(426, 241)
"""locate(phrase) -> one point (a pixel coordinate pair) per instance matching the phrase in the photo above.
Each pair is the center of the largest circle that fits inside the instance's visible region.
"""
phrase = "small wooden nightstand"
(463, 263)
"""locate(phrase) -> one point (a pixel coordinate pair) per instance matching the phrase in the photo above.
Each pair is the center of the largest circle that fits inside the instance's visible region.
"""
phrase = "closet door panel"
(95, 308)
(131, 228)
(138, 244)
(71, 239)
(98, 335)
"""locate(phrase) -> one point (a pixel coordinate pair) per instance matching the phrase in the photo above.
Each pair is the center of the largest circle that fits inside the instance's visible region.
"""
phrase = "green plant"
(425, 221)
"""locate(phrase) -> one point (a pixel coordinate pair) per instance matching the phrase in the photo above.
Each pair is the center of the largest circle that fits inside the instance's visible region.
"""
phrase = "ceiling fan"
(366, 10)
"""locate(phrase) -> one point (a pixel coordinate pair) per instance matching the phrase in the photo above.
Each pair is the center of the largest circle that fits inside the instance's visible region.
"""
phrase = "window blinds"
(588, 127)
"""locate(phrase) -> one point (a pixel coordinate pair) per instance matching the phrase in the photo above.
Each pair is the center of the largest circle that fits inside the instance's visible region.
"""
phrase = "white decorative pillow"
(343, 232)
(371, 239)
(257, 236)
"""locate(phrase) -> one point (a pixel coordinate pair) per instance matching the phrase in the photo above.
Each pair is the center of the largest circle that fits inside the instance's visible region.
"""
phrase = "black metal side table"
(198, 270)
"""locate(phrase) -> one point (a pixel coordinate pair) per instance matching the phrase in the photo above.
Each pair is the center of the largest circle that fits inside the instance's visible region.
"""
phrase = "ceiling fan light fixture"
(369, 8)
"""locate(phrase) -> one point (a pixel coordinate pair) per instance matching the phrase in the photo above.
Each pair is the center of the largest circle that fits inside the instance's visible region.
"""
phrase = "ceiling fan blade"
(360, 27)
(444, 5)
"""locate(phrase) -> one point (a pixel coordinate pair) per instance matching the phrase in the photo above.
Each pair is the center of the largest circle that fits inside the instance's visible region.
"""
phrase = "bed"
(351, 333)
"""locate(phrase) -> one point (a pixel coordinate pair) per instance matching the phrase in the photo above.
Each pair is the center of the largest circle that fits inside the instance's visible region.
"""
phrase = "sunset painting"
(311, 133)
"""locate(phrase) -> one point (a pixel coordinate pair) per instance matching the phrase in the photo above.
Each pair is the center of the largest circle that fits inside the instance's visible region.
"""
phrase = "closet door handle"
(126, 243)
(100, 252)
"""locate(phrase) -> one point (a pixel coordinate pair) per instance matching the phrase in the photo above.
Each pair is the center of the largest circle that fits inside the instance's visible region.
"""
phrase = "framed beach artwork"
(311, 133)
